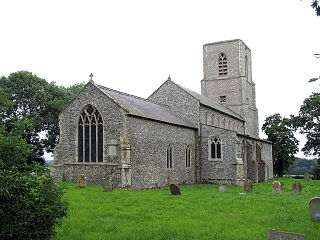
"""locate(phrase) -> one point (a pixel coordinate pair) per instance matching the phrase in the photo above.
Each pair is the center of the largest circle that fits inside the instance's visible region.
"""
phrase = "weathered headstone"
(175, 190)
(306, 177)
(314, 206)
(222, 188)
(279, 235)
(82, 182)
(248, 185)
(107, 186)
(296, 188)
(276, 187)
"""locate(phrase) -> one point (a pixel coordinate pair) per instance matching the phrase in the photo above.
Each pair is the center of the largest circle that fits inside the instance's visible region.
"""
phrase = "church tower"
(228, 80)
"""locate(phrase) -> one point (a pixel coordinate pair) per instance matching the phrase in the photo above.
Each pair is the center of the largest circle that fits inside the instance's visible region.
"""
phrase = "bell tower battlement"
(228, 80)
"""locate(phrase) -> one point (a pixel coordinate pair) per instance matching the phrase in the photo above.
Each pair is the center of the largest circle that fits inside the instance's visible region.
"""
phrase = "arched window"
(215, 148)
(90, 135)
(169, 157)
(223, 67)
(188, 156)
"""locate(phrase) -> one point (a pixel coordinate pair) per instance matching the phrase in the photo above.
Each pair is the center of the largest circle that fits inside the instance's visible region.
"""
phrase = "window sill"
(215, 160)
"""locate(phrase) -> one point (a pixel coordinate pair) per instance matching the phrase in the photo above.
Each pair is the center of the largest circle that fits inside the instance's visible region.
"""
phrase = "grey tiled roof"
(145, 108)
(211, 103)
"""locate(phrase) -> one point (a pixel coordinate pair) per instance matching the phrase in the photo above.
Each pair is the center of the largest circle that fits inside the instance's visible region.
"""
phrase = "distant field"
(201, 212)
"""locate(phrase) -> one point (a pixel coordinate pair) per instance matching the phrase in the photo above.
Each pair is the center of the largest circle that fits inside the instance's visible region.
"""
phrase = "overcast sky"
(133, 45)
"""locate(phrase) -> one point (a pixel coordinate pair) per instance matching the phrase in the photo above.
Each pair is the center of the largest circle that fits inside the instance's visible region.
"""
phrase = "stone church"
(174, 136)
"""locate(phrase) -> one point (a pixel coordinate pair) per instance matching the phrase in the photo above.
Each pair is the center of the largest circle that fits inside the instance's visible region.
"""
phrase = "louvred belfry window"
(223, 66)
(90, 135)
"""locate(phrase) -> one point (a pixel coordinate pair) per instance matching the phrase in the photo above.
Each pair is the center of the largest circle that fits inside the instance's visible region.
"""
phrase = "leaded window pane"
(100, 143)
(90, 135)
(80, 143)
(218, 150)
(213, 150)
(86, 143)
(93, 143)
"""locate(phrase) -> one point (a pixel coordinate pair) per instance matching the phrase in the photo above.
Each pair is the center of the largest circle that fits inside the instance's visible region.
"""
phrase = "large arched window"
(90, 135)
(169, 157)
(223, 66)
(215, 148)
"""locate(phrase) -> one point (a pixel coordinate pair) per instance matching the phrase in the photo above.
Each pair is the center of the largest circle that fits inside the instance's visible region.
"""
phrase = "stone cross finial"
(91, 75)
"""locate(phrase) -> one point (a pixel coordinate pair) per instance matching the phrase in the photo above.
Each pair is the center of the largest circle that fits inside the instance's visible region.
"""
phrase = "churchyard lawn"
(201, 212)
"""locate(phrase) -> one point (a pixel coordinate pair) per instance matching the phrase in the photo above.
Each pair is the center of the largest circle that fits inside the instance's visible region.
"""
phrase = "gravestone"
(314, 207)
(248, 185)
(306, 177)
(279, 235)
(107, 186)
(276, 187)
(222, 188)
(82, 182)
(296, 188)
(282, 186)
(175, 190)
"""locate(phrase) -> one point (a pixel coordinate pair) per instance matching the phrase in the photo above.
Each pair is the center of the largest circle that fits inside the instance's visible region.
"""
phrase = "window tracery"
(90, 135)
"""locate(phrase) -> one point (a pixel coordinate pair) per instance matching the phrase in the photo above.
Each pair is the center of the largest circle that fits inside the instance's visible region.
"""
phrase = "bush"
(30, 202)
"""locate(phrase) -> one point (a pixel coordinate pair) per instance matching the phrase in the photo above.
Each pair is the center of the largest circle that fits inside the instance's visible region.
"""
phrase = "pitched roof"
(144, 108)
(211, 103)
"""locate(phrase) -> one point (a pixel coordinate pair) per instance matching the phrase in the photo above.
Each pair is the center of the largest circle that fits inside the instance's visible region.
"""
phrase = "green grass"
(201, 212)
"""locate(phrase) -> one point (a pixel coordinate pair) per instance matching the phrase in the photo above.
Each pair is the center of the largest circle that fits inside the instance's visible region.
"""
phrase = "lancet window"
(169, 157)
(90, 135)
(188, 156)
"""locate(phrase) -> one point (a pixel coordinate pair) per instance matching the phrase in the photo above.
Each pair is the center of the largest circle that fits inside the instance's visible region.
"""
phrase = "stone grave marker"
(82, 182)
(296, 188)
(107, 186)
(276, 187)
(306, 177)
(248, 185)
(279, 235)
(222, 188)
(175, 190)
(314, 207)
(282, 186)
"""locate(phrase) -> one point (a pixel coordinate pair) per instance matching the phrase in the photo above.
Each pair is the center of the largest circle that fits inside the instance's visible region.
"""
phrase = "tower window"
(223, 99)
(223, 66)
(90, 135)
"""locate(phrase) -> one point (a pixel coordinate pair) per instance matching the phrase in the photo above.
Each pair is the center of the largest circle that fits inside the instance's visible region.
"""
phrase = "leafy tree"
(302, 166)
(315, 6)
(284, 143)
(32, 109)
(30, 202)
(308, 122)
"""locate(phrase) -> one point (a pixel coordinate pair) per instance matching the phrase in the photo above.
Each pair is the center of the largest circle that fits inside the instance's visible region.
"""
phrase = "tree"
(33, 104)
(284, 143)
(308, 122)
(30, 202)
(316, 7)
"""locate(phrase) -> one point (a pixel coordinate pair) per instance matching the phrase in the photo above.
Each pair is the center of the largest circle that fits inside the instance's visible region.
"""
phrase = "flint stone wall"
(149, 142)
(218, 171)
(66, 165)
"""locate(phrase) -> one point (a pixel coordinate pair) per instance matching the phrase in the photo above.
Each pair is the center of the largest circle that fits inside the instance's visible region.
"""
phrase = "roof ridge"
(130, 95)
(167, 108)
(209, 99)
